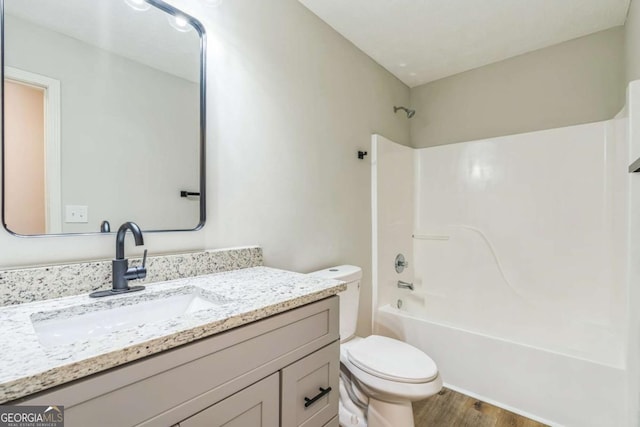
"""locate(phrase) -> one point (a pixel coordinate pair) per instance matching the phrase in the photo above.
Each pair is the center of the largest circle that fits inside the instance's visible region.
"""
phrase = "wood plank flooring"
(451, 409)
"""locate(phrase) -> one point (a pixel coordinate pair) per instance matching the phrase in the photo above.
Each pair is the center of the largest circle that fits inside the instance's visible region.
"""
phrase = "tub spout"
(405, 285)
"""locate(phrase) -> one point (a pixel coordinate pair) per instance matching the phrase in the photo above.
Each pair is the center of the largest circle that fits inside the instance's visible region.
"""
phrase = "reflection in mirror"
(103, 116)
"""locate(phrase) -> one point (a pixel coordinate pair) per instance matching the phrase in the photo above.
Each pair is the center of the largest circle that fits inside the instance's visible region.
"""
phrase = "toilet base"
(387, 414)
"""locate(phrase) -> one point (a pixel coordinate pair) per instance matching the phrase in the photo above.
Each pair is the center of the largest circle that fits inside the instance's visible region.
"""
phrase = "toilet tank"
(349, 299)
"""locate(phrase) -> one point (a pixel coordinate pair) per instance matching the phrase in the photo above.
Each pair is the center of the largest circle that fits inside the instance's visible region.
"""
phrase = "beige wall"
(632, 42)
(292, 103)
(24, 148)
(575, 82)
(289, 104)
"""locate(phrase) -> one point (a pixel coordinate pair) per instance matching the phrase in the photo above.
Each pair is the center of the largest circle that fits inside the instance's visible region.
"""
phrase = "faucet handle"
(139, 272)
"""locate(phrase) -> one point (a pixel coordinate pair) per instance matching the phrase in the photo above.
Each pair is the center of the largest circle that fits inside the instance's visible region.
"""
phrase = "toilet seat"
(392, 360)
(383, 389)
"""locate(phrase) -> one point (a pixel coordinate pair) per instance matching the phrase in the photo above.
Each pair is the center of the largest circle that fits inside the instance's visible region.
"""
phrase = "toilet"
(383, 375)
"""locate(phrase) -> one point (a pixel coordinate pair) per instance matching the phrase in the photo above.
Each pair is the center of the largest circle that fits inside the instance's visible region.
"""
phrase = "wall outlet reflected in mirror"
(76, 214)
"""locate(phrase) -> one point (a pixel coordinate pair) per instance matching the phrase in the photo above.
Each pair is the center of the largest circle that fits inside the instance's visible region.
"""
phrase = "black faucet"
(120, 265)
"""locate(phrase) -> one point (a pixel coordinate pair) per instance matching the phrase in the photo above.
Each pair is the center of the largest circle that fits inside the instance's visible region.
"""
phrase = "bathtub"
(548, 386)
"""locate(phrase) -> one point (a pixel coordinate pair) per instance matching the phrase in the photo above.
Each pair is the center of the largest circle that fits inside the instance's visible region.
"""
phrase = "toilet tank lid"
(347, 273)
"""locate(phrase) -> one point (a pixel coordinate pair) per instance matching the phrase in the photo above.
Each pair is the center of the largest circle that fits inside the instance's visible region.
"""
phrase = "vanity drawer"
(303, 402)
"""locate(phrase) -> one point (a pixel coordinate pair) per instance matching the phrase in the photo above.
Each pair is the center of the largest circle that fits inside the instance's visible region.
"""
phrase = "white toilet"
(388, 374)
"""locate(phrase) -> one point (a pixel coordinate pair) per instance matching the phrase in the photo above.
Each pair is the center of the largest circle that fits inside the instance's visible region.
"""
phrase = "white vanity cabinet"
(258, 374)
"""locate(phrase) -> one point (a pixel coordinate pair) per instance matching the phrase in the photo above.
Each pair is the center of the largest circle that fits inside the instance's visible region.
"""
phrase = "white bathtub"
(551, 387)
(518, 266)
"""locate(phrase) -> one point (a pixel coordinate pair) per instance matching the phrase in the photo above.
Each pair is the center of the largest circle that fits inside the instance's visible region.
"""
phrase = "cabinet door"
(310, 389)
(333, 423)
(255, 406)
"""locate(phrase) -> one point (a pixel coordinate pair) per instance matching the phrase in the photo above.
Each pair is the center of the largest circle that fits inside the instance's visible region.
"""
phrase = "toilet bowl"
(387, 374)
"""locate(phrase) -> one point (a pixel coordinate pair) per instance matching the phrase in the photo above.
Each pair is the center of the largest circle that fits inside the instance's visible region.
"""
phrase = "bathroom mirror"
(103, 116)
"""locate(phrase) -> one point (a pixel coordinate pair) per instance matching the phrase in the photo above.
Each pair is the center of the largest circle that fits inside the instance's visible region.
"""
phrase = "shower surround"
(517, 249)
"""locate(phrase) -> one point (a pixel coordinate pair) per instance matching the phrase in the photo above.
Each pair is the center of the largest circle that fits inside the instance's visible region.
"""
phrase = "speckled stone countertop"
(28, 284)
(28, 366)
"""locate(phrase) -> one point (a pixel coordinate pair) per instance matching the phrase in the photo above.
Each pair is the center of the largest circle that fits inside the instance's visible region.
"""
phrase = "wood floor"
(451, 409)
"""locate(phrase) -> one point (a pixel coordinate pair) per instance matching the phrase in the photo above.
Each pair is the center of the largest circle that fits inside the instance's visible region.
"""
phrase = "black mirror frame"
(203, 160)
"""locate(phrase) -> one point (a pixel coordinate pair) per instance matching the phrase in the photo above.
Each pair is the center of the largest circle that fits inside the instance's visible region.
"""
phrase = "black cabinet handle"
(188, 193)
(323, 392)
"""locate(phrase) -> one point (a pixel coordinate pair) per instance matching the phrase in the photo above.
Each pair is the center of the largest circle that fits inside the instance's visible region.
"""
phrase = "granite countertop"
(242, 296)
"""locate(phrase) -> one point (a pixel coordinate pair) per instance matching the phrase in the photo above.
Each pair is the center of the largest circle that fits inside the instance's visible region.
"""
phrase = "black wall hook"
(361, 154)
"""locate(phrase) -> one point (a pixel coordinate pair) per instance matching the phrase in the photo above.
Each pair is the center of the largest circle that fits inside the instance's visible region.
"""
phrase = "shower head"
(410, 113)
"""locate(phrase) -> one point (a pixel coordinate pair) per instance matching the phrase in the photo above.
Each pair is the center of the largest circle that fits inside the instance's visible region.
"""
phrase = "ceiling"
(424, 40)
(142, 36)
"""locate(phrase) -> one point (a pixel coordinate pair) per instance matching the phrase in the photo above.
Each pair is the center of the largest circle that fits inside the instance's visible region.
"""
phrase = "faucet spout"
(122, 232)
(405, 285)
(105, 227)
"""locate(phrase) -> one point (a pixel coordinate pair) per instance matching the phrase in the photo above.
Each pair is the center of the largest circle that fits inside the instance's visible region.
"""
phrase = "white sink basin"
(84, 323)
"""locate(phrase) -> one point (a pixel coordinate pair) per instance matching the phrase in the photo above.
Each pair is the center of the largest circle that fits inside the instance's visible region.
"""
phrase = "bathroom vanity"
(247, 346)
(265, 355)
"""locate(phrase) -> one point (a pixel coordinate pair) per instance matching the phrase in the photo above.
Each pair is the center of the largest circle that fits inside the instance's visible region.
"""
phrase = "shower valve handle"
(401, 263)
